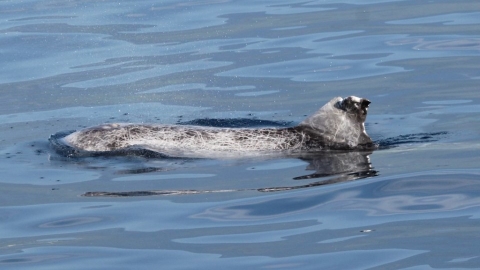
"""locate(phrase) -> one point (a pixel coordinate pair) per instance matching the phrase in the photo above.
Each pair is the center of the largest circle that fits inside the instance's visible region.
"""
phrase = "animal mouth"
(365, 103)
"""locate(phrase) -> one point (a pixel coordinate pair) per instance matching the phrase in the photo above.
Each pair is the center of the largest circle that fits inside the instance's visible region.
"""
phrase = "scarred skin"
(339, 124)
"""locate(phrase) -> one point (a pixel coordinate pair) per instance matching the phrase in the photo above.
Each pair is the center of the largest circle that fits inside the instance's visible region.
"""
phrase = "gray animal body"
(339, 124)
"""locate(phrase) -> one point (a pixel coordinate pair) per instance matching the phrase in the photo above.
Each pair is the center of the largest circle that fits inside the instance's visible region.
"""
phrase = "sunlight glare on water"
(412, 204)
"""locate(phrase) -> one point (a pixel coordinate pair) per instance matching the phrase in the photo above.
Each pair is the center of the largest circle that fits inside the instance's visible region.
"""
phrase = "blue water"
(65, 65)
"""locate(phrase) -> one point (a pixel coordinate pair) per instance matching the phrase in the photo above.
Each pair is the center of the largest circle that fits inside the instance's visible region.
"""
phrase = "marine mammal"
(339, 124)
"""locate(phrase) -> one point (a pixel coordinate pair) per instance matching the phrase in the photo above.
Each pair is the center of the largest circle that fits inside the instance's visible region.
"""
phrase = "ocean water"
(413, 204)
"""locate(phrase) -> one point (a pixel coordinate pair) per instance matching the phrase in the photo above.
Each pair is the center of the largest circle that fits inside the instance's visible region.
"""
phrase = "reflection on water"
(334, 167)
(454, 43)
(70, 222)
(446, 19)
(434, 193)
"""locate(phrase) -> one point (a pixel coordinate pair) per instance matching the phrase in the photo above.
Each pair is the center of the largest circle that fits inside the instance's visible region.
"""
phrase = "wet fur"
(337, 125)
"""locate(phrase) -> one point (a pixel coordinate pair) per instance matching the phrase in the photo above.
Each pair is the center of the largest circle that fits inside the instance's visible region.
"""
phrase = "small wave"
(410, 138)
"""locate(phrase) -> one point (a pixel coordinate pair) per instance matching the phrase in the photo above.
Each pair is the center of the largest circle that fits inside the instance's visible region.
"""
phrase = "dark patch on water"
(236, 123)
(410, 138)
(70, 222)
(338, 179)
(142, 170)
(154, 192)
(351, 176)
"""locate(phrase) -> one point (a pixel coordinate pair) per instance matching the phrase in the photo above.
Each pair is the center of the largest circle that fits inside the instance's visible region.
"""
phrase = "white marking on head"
(356, 99)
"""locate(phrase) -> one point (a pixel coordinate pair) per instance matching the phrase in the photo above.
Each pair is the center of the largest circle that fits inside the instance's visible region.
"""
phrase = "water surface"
(65, 65)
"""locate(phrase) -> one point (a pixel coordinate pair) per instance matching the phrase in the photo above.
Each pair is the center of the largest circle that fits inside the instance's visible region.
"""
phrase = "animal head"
(355, 107)
(340, 122)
